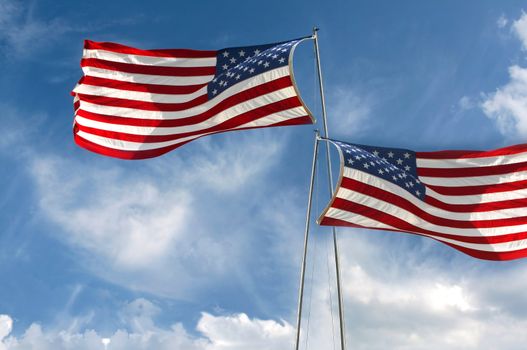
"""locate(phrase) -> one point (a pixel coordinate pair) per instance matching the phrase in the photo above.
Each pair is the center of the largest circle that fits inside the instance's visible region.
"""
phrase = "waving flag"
(135, 104)
(473, 201)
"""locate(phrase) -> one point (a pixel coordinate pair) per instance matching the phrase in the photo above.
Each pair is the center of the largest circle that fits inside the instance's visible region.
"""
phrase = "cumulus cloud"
(519, 28)
(228, 332)
(508, 104)
(400, 293)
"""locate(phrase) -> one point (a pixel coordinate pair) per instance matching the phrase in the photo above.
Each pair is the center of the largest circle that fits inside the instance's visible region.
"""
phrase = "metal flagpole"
(330, 182)
(306, 236)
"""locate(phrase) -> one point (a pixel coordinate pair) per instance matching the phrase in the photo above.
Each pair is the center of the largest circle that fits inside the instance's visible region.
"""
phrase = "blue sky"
(200, 248)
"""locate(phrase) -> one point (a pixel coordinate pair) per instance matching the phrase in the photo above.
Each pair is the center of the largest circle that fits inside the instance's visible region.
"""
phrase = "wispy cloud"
(350, 111)
(21, 33)
(167, 229)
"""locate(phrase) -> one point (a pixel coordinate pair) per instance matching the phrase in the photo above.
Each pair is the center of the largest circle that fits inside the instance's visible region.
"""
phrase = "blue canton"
(236, 64)
(395, 165)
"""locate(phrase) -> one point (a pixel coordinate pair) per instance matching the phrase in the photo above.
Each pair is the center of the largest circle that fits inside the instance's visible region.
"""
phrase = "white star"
(214, 80)
(407, 168)
(404, 175)
(348, 151)
(245, 69)
(351, 161)
(376, 153)
(256, 52)
(241, 53)
(372, 163)
(251, 70)
(214, 92)
(281, 60)
(266, 64)
(390, 154)
(387, 170)
(358, 157)
(384, 159)
(225, 67)
(418, 192)
(381, 172)
(275, 56)
(233, 60)
(399, 161)
(407, 185)
(366, 165)
(394, 178)
(411, 184)
(238, 77)
(225, 54)
(260, 62)
(407, 155)
(221, 83)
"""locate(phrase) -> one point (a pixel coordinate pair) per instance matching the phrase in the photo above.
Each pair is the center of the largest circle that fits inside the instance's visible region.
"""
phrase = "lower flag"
(473, 201)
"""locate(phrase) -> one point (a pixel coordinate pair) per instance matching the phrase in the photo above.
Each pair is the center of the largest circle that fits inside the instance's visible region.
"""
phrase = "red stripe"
(152, 88)
(473, 171)
(371, 191)
(495, 256)
(473, 154)
(478, 207)
(402, 225)
(470, 190)
(135, 155)
(143, 105)
(175, 53)
(231, 123)
(231, 101)
(150, 70)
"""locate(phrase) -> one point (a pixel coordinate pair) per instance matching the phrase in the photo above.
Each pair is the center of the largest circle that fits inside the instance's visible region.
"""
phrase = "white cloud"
(519, 28)
(6, 325)
(502, 21)
(508, 105)
(230, 332)
(400, 294)
(21, 33)
(143, 227)
(349, 111)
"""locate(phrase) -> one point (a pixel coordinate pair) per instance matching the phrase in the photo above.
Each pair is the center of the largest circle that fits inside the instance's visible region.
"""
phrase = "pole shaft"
(330, 182)
(306, 238)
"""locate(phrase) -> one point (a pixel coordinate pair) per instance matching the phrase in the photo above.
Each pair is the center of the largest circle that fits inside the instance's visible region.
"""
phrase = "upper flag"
(473, 201)
(135, 104)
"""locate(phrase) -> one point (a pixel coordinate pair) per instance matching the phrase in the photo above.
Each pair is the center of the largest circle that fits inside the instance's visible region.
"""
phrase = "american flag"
(136, 104)
(473, 201)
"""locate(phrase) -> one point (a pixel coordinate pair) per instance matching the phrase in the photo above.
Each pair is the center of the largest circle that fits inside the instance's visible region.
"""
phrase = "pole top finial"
(315, 29)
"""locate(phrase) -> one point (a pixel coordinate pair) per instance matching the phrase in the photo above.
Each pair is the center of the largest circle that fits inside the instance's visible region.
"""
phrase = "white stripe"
(139, 146)
(149, 60)
(146, 78)
(417, 221)
(214, 120)
(367, 222)
(475, 180)
(247, 84)
(478, 198)
(396, 190)
(137, 95)
(472, 162)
